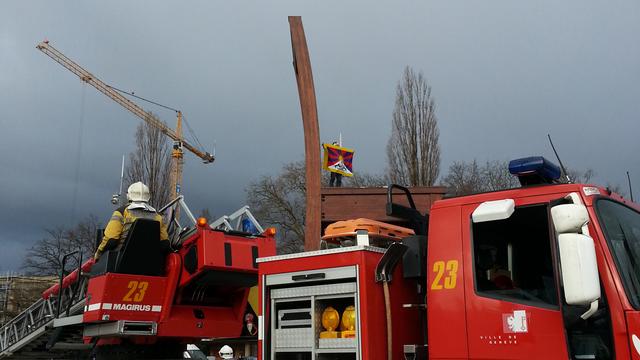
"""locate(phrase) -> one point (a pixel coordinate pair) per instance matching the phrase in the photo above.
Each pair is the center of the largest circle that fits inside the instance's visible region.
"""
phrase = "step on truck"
(546, 271)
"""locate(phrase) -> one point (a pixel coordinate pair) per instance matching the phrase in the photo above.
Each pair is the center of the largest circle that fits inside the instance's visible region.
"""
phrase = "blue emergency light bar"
(534, 170)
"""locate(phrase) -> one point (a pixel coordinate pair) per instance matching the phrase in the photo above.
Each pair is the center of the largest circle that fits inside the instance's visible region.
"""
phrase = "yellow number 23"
(439, 267)
(136, 291)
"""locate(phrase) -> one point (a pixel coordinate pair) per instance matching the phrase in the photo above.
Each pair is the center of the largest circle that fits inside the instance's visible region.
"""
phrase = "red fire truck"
(139, 302)
(545, 271)
(140, 296)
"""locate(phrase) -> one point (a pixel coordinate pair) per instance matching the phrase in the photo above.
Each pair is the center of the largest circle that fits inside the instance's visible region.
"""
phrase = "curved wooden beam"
(306, 91)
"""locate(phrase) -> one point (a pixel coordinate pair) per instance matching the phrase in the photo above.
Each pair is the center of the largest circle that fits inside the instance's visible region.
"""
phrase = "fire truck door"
(512, 301)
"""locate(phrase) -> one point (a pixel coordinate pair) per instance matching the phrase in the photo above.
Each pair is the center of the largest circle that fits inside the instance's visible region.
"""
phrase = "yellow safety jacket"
(121, 221)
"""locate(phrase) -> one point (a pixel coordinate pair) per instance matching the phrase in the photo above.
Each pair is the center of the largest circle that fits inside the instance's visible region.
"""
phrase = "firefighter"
(226, 352)
(122, 219)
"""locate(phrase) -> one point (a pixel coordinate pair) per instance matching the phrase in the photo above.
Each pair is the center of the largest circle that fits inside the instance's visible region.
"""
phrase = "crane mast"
(178, 141)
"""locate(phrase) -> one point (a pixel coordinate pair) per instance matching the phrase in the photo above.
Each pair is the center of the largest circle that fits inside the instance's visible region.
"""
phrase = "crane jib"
(128, 104)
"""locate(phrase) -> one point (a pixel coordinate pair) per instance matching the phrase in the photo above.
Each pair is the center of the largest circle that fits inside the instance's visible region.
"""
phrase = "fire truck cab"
(545, 271)
(516, 287)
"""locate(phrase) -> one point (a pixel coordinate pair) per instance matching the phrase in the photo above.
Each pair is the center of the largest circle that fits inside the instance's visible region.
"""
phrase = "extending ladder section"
(32, 334)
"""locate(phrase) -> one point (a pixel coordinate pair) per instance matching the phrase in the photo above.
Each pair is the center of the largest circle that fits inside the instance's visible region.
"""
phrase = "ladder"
(40, 328)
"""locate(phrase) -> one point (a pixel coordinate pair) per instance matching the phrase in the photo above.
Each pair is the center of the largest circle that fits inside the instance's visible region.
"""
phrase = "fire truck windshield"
(621, 226)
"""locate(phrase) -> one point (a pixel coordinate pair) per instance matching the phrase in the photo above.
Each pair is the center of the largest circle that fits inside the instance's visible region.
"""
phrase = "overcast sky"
(503, 73)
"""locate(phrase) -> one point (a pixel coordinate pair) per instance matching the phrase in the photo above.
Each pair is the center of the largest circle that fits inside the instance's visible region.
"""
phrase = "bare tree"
(586, 176)
(578, 176)
(280, 201)
(45, 257)
(358, 180)
(466, 178)
(496, 176)
(616, 188)
(84, 235)
(413, 152)
(150, 163)
(361, 179)
(463, 178)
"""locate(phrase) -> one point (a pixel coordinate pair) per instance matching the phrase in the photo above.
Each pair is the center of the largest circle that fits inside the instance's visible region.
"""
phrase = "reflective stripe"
(93, 307)
(156, 308)
(106, 306)
(116, 217)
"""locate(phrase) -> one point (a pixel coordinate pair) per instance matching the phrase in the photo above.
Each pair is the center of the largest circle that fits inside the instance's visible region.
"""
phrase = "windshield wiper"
(631, 257)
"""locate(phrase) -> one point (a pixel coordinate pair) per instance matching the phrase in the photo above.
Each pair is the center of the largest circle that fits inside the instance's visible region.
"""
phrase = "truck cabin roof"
(591, 192)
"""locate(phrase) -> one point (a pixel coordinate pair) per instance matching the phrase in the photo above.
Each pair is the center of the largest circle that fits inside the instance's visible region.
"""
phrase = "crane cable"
(194, 138)
(74, 199)
(141, 98)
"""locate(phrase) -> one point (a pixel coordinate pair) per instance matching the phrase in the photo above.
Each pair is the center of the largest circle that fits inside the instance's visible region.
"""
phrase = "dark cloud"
(504, 74)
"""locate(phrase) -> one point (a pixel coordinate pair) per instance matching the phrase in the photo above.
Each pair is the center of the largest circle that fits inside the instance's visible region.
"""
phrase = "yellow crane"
(176, 136)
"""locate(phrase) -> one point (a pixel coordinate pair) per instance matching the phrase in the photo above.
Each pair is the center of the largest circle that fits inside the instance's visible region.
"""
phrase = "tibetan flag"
(338, 159)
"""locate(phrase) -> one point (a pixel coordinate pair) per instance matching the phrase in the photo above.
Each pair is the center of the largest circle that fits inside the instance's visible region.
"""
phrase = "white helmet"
(226, 352)
(138, 192)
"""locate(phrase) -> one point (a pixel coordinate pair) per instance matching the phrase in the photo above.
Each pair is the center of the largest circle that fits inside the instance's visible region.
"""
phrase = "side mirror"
(579, 269)
(577, 256)
(569, 218)
(493, 210)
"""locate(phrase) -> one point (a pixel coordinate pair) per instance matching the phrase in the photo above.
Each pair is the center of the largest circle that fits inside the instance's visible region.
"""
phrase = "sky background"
(503, 74)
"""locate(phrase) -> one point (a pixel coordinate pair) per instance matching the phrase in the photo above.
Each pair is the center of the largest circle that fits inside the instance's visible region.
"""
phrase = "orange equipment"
(381, 234)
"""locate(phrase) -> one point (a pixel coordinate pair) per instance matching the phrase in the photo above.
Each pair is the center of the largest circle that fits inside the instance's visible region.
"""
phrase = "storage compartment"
(298, 301)
(294, 318)
(338, 278)
(344, 305)
(293, 314)
(293, 326)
